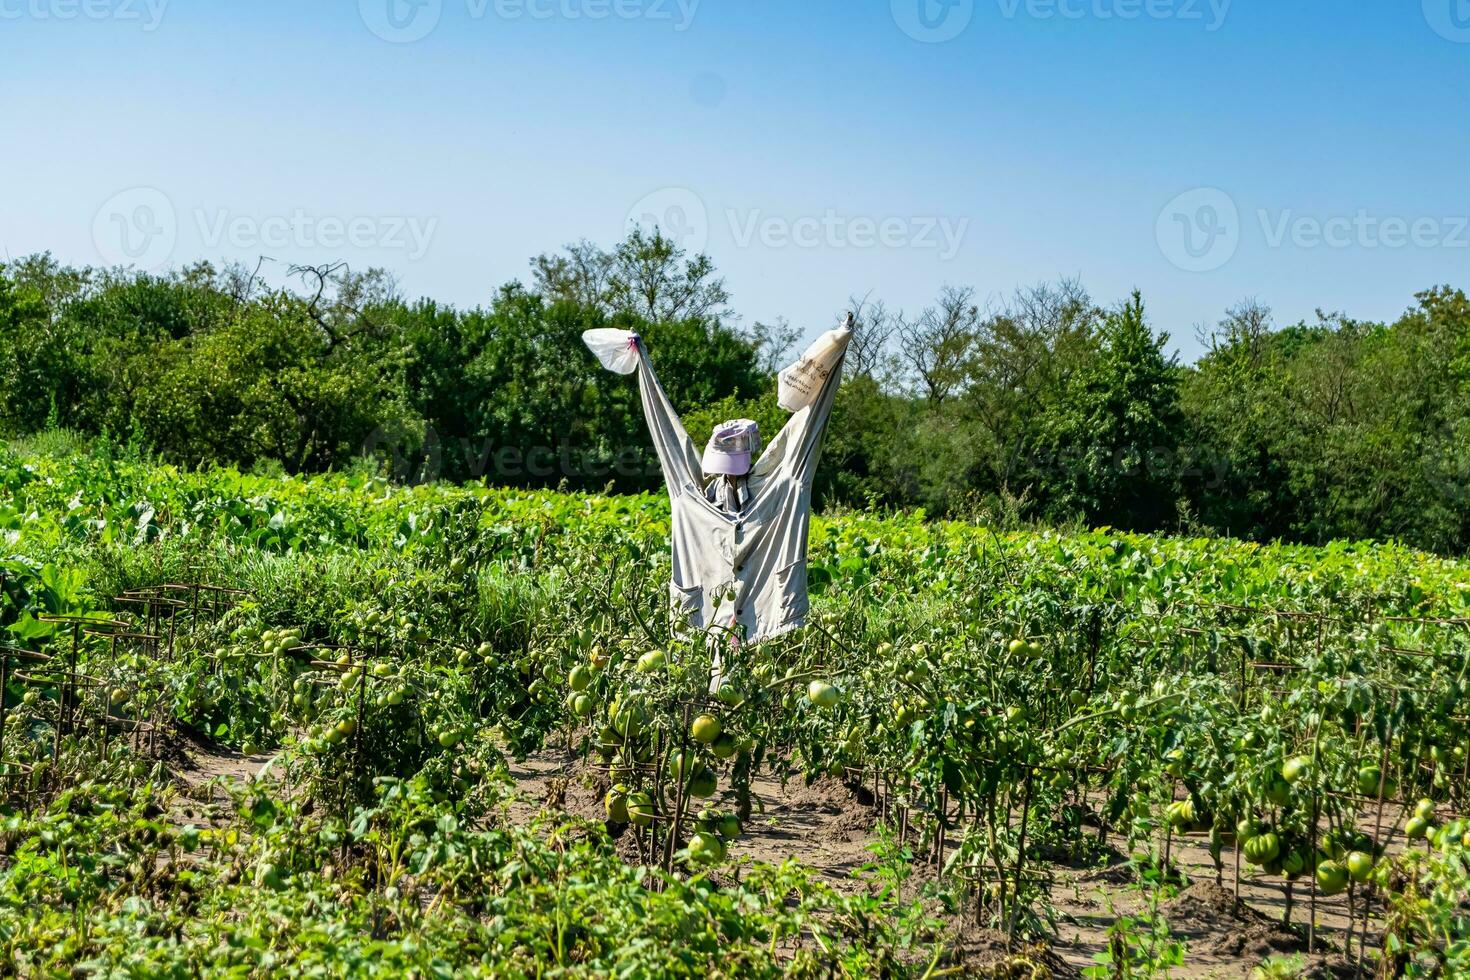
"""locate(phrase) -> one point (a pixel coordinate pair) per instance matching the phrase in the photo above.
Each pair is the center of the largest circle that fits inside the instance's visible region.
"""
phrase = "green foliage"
(1113, 441)
(1048, 408)
(1429, 923)
(1075, 680)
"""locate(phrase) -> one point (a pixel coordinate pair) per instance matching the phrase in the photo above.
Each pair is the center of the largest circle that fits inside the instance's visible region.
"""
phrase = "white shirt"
(756, 553)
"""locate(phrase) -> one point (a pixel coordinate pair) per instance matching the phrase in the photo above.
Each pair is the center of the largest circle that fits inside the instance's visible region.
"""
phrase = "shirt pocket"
(791, 581)
(686, 602)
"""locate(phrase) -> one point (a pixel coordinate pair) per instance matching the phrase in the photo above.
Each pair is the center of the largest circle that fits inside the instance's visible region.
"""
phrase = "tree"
(1023, 361)
(1114, 441)
(30, 360)
(265, 384)
(773, 342)
(646, 276)
(869, 354)
(580, 276)
(936, 345)
(651, 278)
(1237, 399)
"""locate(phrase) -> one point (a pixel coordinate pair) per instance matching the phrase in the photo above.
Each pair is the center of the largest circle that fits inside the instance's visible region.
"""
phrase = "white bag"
(800, 383)
(616, 349)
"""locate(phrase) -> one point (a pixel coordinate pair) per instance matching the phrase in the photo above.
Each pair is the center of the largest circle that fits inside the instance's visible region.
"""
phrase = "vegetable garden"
(1008, 710)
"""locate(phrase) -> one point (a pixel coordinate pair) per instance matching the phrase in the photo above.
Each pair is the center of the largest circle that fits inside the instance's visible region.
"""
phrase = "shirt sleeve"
(676, 453)
(801, 437)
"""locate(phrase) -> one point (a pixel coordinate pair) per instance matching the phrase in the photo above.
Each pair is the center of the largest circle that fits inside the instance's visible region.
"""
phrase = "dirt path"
(827, 828)
(201, 771)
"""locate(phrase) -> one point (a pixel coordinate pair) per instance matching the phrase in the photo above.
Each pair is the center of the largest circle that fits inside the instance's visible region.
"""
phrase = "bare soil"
(202, 771)
(830, 828)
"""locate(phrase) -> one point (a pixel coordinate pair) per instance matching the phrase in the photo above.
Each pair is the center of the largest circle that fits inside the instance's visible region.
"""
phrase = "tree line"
(1046, 406)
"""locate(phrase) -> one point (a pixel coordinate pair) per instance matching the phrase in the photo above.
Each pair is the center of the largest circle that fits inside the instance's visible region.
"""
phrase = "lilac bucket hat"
(730, 448)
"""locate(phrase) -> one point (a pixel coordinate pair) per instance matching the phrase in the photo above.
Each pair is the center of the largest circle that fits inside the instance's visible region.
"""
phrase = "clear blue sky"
(818, 148)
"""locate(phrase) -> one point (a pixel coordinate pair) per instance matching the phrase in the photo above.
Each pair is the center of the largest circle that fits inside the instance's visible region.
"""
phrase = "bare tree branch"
(937, 345)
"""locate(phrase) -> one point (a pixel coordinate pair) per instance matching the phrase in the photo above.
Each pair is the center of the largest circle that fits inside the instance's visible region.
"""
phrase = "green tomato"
(616, 803)
(703, 783)
(640, 809)
(705, 729)
(822, 694)
(706, 848)
(724, 746)
(1332, 878)
(1262, 848)
(1180, 814)
(1296, 768)
(1368, 780)
(1279, 792)
(1360, 865)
